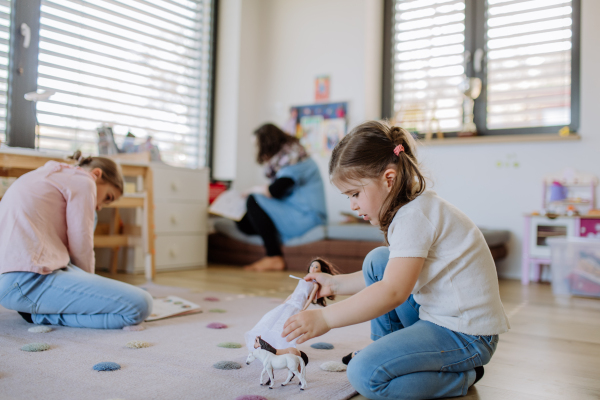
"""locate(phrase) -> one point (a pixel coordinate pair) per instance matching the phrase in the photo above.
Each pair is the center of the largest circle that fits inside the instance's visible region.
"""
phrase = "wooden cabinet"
(180, 217)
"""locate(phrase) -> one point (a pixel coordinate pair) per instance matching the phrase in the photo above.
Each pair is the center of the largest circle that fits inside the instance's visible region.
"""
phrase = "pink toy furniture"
(581, 196)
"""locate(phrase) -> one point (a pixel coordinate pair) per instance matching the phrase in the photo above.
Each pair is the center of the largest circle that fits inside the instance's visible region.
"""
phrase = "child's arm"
(81, 203)
(344, 285)
(398, 281)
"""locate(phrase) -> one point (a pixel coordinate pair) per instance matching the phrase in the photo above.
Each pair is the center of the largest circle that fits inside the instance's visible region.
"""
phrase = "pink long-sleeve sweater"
(47, 219)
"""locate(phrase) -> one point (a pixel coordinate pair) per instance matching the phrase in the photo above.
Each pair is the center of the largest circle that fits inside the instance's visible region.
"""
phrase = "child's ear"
(96, 173)
(390, 176)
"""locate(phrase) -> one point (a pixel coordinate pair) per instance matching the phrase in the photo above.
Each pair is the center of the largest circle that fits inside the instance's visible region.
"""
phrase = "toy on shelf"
(569, 210)
(108, 146)
(569, 193)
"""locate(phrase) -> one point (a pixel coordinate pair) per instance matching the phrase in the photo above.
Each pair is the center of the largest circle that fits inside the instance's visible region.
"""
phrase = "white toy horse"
(270, 361)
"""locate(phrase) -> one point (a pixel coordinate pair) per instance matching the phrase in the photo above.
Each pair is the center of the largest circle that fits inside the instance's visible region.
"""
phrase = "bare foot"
(276, 263)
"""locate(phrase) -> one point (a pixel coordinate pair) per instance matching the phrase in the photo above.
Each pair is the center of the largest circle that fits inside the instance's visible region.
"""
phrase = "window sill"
(550, 137)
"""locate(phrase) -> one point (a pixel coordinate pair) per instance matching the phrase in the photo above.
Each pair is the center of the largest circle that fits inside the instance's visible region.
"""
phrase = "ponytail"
(111, 172)
(81, 161)
(409, 182)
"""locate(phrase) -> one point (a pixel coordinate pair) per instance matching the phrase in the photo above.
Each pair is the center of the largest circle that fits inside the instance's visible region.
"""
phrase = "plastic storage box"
(575, 266)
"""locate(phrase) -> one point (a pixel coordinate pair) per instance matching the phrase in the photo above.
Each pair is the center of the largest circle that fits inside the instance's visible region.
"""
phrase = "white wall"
(239, 89)
(289, 42)
(227, 87)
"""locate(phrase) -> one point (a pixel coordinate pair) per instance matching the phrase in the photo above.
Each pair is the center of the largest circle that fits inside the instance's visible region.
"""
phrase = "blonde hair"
(111, 172)
(366, 153)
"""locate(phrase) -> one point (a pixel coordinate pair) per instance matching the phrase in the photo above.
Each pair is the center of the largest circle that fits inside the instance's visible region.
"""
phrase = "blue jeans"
(412, 358)
(73, 297)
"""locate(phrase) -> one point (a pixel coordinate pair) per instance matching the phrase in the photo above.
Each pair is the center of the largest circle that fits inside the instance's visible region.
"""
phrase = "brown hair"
(269, 140)
(111, 172)
(328, 268)
(367, 151)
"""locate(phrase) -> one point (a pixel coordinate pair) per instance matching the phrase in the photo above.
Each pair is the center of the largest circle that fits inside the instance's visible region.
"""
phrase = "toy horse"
(259, 343)
(270, 361)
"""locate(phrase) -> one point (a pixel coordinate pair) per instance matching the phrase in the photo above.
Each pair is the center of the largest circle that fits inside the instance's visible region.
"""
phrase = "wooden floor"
(551, 352)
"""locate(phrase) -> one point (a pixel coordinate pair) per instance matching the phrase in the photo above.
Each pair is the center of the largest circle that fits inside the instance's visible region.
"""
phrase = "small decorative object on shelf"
(129, 143)
(106, 141)
(569, 193)
(564, 131)
(557, 192)
(151, 148)
(107, 146)
(572, 211)
(471, 89)
(434, 126)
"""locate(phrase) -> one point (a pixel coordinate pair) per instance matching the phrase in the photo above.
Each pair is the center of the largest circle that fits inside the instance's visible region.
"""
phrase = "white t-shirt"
(458, 286)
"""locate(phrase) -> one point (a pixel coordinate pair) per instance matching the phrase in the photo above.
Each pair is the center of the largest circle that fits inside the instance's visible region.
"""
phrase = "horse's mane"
(266, 346)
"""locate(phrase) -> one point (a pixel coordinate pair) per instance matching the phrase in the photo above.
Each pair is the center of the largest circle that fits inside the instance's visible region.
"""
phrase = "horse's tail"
(303, 367)
(304, 357)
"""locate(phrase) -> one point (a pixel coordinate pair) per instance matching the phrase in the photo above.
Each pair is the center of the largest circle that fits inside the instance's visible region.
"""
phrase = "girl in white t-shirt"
(432, 295)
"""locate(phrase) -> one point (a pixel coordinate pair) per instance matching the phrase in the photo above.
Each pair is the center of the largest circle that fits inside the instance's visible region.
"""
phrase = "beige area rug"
(178, 365)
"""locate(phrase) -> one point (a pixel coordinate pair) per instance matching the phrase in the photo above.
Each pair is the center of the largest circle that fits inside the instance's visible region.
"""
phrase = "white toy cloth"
(270, 327)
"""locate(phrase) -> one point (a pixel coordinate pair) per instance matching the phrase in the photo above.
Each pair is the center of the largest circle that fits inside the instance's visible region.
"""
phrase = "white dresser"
(180, 217)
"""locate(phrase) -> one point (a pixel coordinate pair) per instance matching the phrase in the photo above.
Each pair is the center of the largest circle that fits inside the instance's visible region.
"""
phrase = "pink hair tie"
(398, 149)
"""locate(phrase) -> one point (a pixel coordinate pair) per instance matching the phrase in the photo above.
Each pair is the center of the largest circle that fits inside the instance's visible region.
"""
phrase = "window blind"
(5, 9)
(142, 66)
(528, 63)
(428, 64)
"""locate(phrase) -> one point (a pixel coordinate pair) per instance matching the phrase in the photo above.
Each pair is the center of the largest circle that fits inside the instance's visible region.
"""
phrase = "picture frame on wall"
(318, 126)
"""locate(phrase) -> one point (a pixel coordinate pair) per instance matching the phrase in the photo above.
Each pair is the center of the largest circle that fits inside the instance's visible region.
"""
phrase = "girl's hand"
(308, 324)
(326, 283)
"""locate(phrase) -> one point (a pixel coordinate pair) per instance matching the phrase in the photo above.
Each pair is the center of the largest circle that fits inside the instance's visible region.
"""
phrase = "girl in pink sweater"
(47, 248)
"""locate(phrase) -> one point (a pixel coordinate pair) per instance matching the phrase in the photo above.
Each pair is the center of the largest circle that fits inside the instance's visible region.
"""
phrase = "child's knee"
(141, 306)
(358, 375)
(355, 376)
(374, 264)
(371, 380)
